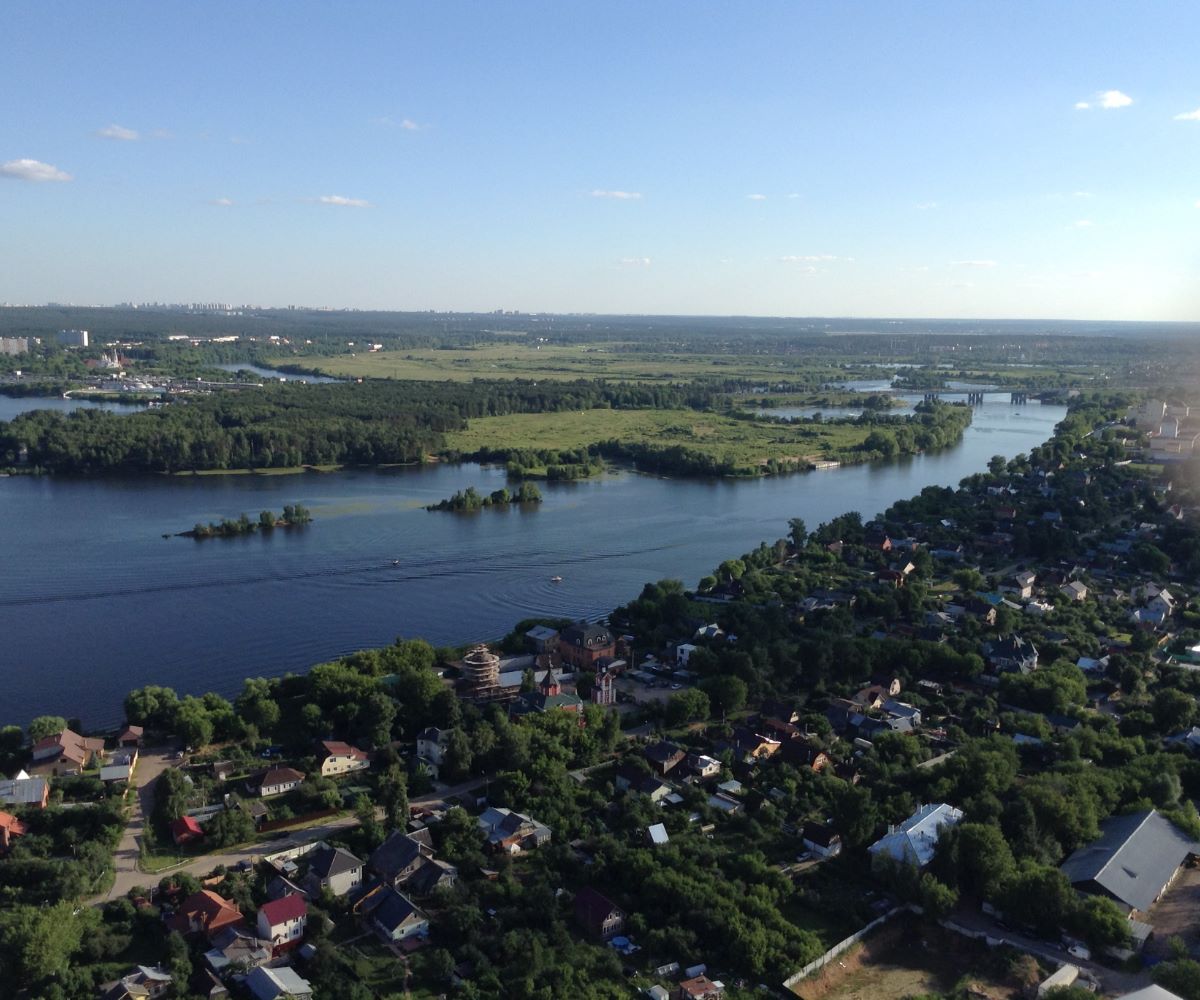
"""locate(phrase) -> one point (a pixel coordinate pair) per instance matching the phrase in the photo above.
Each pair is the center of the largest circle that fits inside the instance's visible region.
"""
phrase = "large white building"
(73, 338)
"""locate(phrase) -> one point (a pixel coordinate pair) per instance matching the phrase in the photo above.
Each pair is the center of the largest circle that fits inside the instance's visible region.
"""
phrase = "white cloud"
(1198, 202)
(812, 258)
(1082, 194)
(222, 202)
(405, 123)
(925, 206)
(1188, 116)
(1105, 99)
(635, 262)
(343, 202)
(757, 197)
(1082, 224)
(32, 170)
(618, 195)
(118, 132)
(977, 264)
(793, 195)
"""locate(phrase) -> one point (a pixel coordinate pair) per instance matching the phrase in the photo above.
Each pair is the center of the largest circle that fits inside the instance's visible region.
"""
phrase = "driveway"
(151, 763)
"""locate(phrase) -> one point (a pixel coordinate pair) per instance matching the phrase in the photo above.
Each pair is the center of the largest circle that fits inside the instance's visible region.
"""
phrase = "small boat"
(556, 579)
(395, 562)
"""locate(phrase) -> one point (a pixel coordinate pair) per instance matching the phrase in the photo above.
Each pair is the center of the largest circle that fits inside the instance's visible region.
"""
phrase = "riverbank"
(143, 611)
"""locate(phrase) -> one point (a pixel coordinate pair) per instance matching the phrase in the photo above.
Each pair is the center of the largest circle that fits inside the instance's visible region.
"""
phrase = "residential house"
(902, 710)
(1134, 861)
(821, 840)
(657, 832)
(1021, 584)
(431, 749)
(282, 922)
(1012, 653)
(785, 711)
(143, 982)
(185, 829)
(395, 917)
(802, 754)
(273, 984)
(10, 829)
(757, 746)
(511, 832)
(1157, 611)
(664, 756)
(130, 737)
(237, 950)
(205, 913)
(334, 869)
(630, 779)
(407, 860)
(276, 781)
(65, 752)
(340, 758)
(683, 652)
(206, 985)
(1074, 591)
(582, 644)
(599, 916)
(914, 841)
(701, 988)
(25, 791)
(702, 766)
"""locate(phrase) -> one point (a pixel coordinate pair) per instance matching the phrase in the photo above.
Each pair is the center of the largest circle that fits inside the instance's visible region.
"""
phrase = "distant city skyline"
(1025, 160)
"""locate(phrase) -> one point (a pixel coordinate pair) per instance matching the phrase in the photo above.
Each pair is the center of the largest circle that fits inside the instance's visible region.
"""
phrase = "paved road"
(1111, 980)
(151, 763)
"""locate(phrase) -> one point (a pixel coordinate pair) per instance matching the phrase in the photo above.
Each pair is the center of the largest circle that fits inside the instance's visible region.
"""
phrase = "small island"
(471, 499)
(293, 516)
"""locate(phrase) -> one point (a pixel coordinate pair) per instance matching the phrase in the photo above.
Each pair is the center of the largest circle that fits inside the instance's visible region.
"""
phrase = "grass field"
(534, 361)
(744, 442)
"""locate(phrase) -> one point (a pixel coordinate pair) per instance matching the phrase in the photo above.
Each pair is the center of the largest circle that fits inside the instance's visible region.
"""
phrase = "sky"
(923, 159)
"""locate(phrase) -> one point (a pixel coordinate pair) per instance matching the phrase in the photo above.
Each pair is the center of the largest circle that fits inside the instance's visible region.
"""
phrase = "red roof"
(280, 911)
(186, 827)
(336, 748)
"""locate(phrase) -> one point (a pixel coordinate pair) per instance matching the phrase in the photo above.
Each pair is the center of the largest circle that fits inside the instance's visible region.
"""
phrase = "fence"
(841, 946)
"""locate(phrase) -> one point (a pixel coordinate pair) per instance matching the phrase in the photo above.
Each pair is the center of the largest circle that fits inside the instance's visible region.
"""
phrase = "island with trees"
(294, 516)
(471, 499)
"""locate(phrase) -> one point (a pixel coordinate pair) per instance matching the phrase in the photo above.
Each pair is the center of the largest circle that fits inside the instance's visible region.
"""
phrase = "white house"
(282, 922)
(431, 748)
(913, 841)
(278, 780)
(340, 758)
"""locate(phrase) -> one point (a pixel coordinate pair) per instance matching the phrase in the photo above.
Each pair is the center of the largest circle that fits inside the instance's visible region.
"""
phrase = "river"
(94, 601)
(13, 406)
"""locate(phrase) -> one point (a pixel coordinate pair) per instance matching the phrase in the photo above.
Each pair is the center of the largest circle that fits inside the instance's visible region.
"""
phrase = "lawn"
(745, 442)
(534, 361)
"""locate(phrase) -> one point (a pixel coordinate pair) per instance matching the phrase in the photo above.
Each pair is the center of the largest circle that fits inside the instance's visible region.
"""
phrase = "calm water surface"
(12, 406)
(94, 601)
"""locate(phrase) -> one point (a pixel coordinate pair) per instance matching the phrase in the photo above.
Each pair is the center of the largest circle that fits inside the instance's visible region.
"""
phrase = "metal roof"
(1134, 858)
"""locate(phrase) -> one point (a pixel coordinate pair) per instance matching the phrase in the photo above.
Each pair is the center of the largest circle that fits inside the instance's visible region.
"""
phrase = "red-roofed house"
(185, 829)
(340, 758)
(205, 913)
(282, 921)
(700, 988)
(130, 736)
(10, 827)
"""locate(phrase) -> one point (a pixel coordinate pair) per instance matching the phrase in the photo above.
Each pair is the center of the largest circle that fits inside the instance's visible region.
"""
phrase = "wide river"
(94, 601)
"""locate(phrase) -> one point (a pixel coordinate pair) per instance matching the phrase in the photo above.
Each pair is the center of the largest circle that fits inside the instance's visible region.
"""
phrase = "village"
(972, 719)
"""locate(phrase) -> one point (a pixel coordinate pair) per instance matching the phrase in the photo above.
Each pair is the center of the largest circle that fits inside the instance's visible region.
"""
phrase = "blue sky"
(770, 158)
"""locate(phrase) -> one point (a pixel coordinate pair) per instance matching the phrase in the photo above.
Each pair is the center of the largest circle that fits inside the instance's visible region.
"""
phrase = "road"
(151, 763)
(1111, 980)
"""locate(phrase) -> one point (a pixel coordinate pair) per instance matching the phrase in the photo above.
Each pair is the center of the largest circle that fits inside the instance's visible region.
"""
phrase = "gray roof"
(1134, 858)
(327, 861)
(396, 853)
(267, 984)
(22, 791)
